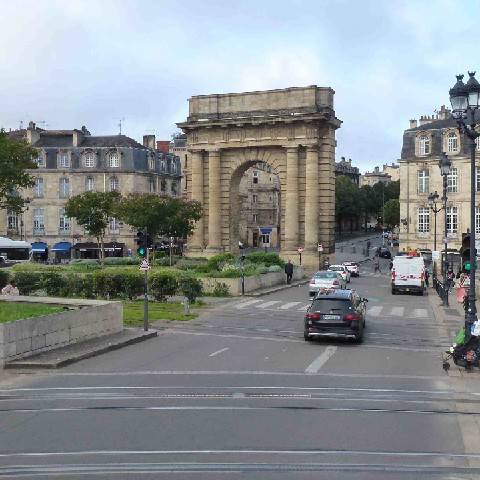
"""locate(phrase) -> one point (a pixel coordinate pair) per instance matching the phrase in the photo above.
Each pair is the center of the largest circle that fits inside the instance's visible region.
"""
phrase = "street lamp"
(432, 202)
(445, 167)
(465, 100)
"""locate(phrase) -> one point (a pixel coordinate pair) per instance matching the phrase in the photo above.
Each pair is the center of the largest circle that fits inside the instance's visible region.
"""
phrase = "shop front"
(62, 251)
(91, 250)
(39, 252)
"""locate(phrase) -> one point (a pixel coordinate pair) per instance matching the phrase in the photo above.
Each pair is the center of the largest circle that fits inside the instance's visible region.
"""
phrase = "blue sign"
(265, 230)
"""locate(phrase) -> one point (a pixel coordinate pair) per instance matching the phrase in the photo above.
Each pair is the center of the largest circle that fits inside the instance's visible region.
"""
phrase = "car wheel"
(359, 337)
(393, 291)
(307, 337)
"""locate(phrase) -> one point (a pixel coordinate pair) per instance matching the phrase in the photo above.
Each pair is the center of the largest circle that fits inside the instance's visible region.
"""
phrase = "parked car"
(338, 313)
(342, 270)
(353, 268)
(384, 252)
(324, 280)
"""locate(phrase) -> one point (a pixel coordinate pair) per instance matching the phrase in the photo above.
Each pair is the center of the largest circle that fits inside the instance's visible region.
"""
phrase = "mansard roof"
(111, 141)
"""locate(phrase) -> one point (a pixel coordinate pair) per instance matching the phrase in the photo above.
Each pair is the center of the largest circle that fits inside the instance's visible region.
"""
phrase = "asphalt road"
(238, 393)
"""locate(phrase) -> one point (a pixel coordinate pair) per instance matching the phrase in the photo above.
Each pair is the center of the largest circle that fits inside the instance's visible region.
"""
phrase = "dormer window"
(424, 145)
(452, 142)
(40, 161)
(89, 160)
(64, 160)
(152, 163)
(114, 160)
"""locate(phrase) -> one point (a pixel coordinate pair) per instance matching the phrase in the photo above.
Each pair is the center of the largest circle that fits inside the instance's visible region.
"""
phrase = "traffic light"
(465, 252)
(142, 243)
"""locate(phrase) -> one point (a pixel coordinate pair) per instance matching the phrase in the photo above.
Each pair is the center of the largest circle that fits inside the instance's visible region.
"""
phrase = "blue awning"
(62, 247)
(264, 231)
(39, 247)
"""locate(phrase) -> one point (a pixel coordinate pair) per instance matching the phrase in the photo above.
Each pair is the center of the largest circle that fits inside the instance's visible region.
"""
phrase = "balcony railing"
(38, 231)
(64, 231)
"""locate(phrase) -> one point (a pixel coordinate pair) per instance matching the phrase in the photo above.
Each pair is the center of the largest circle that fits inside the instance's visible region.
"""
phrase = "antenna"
(120, 124)
(43, 123)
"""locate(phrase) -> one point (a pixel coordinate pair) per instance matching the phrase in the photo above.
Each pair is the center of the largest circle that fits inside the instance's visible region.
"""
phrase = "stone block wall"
(86, 320)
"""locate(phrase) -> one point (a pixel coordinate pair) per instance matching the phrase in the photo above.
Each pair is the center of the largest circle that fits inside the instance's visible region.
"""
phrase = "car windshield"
(328, 275)
(327, 305)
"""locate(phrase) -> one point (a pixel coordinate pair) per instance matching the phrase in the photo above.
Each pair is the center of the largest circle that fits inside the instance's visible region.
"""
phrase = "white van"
(408, 274)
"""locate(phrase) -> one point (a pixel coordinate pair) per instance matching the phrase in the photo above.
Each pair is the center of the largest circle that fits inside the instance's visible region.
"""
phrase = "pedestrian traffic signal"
(142, 243)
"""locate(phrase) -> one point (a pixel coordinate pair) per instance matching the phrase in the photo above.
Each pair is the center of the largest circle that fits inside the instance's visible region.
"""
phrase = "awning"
(39, 247)
(62, 247)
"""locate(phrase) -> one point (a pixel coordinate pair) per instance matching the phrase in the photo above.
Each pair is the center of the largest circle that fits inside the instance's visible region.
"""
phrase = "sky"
(99, 63)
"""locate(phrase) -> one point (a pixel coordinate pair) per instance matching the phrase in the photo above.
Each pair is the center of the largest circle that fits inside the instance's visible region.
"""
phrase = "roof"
(448, 122)
(111, 141)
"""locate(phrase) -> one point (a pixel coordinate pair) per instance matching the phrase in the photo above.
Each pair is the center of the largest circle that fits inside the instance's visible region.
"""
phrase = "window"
(255, 217)
(64, 188)
(423, 181)
(114, 184)
(452, 142)
(424, 145)
(152, 163)
(38, 221)
(114, 162)
(477, 178)
(477, 220)
(113, 224)
(12, 220)
(89, 163)
(64, 161)
(174, 188)
(452, 181)
(163, 185)
(162, 164)
(255, 177)
(477, 142)
(174, 166)
(89, 184)
(63, 221)
(266, 239)
(151, 185)
(255, 198)
(452, 220)
(423, 220)
(40, 161)
(38, 187)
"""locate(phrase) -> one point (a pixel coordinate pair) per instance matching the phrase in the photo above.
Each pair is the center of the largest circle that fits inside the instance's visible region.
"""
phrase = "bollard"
(186, 305)
(354, 249)
(341, 248)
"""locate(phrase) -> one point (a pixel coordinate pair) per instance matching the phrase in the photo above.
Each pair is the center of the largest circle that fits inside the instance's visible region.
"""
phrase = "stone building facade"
(71, 162)
(371, 178)
(420, 175)
(344, 167)
(293, 131)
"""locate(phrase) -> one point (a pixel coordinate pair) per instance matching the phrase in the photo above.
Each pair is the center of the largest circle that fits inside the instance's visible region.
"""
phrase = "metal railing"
(438, 286)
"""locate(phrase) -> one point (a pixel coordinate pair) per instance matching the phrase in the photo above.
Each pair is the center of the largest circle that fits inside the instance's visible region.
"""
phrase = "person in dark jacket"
(289, 271)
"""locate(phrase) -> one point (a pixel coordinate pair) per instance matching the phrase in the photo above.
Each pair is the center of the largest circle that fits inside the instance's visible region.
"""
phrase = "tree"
(93, 210)
(348, 201)
(16, 156)
(392, 212)
(160, 214)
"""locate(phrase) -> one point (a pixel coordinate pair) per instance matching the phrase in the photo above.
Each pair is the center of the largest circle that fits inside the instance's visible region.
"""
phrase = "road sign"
(300, 250)
(144, 265)
(435, 255)
(320, 247)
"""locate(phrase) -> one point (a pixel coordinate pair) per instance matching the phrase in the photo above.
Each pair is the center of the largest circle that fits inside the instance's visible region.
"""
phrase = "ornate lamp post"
(432, 202)
(465, 100)
(445, 166)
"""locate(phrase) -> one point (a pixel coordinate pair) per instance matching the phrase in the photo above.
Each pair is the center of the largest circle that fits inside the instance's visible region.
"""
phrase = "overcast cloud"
(94, 62)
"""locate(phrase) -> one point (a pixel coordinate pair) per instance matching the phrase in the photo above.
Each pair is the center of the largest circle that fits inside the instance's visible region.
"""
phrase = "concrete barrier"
(84, 320)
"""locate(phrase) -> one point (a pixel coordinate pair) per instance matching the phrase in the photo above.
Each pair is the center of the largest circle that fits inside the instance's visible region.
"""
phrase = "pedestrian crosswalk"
(372, 311)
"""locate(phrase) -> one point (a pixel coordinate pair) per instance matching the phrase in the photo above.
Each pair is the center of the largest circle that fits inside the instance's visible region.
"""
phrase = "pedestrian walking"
(368, 248)
(390, 265)
(450, 279)
(327, 263)
(289, 271)
(427, 276)
(376, 264)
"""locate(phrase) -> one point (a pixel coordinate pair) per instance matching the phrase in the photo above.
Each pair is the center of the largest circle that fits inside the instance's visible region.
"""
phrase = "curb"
(58, 363)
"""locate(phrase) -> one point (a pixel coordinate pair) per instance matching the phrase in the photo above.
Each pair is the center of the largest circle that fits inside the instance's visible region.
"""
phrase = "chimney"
(444, 113)
(77, 137)
(350, 161)
(32, 135)
(342, 159)
(149, 141)
(413, 123)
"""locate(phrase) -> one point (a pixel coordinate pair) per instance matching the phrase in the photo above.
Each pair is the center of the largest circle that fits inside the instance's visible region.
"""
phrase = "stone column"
(311, 199)
(196, 240)
(291, 200)
(214, 206)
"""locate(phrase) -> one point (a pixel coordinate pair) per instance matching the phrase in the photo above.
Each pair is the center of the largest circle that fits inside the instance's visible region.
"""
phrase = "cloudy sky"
(94, 62)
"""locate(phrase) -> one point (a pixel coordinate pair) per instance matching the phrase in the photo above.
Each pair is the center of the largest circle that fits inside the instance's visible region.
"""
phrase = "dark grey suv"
(339, 313)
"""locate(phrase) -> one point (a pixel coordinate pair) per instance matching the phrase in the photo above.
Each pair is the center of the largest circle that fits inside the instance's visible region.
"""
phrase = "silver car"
(325, 279)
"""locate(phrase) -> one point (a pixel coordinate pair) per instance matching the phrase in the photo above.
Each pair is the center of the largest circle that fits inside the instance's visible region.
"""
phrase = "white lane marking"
(245, 304)
(374, 311)
(397, 311)
(217, 352)
(288, 305)
(268, 304)
(304, 308)
(420, 313)
(317, 364)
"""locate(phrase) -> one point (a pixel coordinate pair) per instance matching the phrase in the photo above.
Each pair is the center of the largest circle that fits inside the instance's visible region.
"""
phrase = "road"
(238, 393)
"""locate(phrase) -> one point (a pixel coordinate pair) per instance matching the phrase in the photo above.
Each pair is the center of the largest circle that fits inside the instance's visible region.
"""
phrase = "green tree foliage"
(16, 157)
(160, 214)
(392, 212)
(348, 200)
(92, 211)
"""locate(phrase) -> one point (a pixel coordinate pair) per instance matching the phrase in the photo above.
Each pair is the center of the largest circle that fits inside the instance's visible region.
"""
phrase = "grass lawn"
(133, 312)
(17, 311)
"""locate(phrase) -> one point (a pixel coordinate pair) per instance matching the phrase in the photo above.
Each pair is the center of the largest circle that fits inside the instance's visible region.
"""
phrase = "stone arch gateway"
(293, 130)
